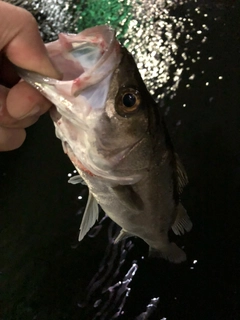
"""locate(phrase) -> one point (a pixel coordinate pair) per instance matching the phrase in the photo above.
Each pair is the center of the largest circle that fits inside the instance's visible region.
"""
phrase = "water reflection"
(107, 291)
(151, 307)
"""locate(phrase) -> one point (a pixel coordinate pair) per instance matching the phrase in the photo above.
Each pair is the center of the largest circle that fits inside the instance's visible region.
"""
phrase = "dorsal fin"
(90, 216)
(182, 179)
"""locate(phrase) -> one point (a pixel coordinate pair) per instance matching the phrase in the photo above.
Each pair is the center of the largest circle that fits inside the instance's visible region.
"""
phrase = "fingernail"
(35, 111)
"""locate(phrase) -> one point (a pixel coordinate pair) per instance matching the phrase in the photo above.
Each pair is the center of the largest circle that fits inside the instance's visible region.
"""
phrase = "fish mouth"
(86, 61)
(81, 59)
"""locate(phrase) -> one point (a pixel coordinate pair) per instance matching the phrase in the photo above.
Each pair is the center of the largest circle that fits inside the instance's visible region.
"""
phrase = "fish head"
(100, 111)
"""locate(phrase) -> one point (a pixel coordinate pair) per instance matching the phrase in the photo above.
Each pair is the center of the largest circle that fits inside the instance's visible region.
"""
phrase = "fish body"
(114, 134)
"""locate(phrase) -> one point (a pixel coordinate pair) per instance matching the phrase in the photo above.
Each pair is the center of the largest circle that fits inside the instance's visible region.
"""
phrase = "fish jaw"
(85, 60)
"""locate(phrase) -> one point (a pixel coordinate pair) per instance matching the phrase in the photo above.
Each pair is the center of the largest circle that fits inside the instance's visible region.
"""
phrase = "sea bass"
(114, 134)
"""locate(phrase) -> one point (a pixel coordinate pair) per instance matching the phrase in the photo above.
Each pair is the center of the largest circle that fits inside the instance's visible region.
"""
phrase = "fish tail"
(170, 252)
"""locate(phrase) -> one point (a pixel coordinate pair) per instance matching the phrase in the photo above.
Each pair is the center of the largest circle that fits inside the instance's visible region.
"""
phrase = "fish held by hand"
(114, 134)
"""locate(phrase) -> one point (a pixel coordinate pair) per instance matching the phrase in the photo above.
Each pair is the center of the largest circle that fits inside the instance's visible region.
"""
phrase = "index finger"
(21, 41)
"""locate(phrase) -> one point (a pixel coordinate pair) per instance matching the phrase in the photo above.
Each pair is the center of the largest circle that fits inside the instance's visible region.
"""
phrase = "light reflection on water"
(108, 290)
(166, 35)
(151, 307)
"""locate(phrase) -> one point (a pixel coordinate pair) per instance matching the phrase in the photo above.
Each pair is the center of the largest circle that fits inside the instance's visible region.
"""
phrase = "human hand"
(20, 45)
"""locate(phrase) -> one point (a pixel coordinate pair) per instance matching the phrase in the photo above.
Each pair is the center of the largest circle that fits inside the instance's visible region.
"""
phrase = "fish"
(113, 131)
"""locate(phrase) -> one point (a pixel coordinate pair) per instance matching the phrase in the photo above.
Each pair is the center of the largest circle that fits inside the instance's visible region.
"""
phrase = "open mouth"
(83, 59)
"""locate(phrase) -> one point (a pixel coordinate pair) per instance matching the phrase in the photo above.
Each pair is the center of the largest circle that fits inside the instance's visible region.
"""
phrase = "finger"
(11, 139)
(6, 120)
(21, 41)
(23, 101)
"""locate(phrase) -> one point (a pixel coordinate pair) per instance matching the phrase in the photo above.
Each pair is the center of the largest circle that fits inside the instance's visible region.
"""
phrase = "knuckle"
(27, 18)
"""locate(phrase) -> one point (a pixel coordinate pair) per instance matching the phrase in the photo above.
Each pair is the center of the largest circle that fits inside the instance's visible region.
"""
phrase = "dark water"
(46, 274)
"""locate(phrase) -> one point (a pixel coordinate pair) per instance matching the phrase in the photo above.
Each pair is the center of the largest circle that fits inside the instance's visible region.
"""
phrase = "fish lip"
(55, 115)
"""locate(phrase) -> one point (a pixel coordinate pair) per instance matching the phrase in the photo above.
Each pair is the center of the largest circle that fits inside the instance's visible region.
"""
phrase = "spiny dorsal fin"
(90, 216)
(122, 235)
(76, 179)
(181, 174)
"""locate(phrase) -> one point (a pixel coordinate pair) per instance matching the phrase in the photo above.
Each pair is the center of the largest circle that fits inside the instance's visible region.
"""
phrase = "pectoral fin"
(128, 197)
(90, 216)
(76, 179)
(182, 222)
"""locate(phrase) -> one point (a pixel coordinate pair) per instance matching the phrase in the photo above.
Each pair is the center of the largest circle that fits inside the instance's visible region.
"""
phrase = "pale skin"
(20, 45)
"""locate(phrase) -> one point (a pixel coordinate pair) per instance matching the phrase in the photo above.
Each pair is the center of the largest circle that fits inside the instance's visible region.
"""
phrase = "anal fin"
(182, 222)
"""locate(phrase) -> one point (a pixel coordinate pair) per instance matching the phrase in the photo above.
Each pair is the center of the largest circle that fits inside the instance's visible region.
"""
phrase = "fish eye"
(128, 102)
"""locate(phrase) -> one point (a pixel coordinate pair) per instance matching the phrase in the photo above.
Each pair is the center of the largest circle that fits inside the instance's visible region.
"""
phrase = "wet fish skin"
(131, 169)
(149, 207)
